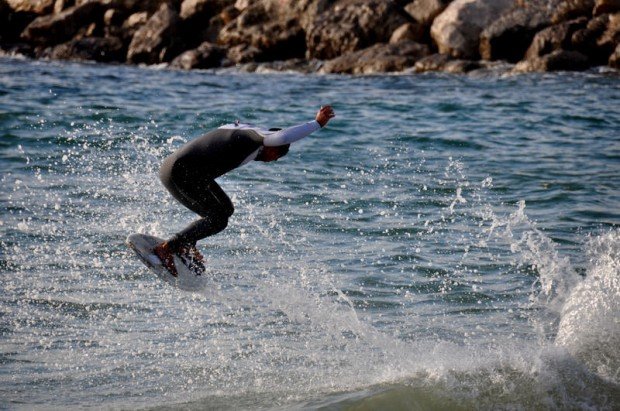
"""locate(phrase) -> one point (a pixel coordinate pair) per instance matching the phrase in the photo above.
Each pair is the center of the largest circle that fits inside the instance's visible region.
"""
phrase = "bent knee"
(219, 221)
(230, 211)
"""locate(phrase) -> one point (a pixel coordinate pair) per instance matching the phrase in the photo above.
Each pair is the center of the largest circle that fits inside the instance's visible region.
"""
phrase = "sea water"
(446, 242)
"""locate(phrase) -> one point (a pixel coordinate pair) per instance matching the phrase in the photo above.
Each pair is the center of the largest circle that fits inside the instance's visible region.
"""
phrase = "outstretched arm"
(296, 133)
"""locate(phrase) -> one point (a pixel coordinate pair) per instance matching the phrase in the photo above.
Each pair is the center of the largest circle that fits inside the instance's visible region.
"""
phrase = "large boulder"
(236, 31)
(113, 20)
(156, 41)
(131, 6)
(352, 26)
(39, 7)
(305, 11)
(446, 64)
(554, 38)
(281, 40)
(408, 31)
(558, 60)
(215, 25)
(509, 37)
(572, 9)
(457, 30)
(593, 40)
(203, 10)
(58, 28)
(200, 18)
(606, 6)
(554, 49)
(611, 37)
(207, 55)
(253, 34)
(132, 24)
(12, 23)
(380, 58)
(102, 49)
(425, 11)
(242, 54)
(614, 59)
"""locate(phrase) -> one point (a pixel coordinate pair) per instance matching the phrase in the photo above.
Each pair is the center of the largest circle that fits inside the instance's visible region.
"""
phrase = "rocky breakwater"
(328, 36)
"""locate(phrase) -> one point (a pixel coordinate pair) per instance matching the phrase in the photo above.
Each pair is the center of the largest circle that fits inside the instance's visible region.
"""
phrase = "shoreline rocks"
(456, 31)
(325, 36)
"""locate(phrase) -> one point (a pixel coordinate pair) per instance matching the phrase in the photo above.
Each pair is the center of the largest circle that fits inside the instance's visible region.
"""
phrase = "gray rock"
(242, 53)
(606, 6)
(58, 28)
(60, 5)
(207, 55)
(242, 4)
(352, 26)
(434, 62)
(305, 11)
(408, 31)
(558, 60)
(237, 31)
(425, 11)
(586, 40)
(457, 30)
(614, 59)
(611, 37)
(274, 40)
(203, 9)
(572, 9)
(554, 38)
(445, 63)
(134, 6)
(132, 24)
(113, 20)
(12, 23)
(201, 20)
(39, 7)
(101, 49)
(509, 37)
(156, 41)
(215, 25)
(379, 58)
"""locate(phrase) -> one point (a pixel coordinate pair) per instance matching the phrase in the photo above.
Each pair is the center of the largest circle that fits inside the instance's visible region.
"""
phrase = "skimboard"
(190, 278)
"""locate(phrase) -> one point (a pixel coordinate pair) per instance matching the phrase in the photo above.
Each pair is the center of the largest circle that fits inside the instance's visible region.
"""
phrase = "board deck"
(188, 279)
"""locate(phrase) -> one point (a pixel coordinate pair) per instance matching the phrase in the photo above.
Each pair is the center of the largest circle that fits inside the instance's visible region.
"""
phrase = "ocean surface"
(447, 242)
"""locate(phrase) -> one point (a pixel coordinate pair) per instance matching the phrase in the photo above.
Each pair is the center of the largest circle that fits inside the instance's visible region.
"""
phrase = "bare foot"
(162, 251)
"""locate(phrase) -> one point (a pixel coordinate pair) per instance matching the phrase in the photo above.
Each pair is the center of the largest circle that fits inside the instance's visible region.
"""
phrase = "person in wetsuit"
(189, 175)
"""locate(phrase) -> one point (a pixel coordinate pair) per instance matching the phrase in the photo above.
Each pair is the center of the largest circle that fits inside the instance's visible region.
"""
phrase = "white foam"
(590, 320)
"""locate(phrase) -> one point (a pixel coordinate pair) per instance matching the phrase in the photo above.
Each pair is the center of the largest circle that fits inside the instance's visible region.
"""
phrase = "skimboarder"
(189, 175)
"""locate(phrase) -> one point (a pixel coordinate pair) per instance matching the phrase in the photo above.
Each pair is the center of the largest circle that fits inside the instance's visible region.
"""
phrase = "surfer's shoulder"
(238, 126)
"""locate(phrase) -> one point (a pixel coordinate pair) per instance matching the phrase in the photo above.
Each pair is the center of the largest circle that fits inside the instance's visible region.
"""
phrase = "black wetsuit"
(189, 175)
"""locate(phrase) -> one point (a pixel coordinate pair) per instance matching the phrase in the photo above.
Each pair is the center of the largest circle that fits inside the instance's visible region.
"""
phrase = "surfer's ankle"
(194, 253)
(190, 250)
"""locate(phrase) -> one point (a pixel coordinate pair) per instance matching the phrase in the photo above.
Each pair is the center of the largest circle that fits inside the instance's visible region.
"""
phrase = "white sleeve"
(291, 134)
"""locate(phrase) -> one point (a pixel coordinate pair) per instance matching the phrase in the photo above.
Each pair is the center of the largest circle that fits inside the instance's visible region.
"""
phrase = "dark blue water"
(446, 242)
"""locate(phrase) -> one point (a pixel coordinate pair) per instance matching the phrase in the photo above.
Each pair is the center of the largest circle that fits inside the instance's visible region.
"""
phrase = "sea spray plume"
(590, 319)
(556, 276)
